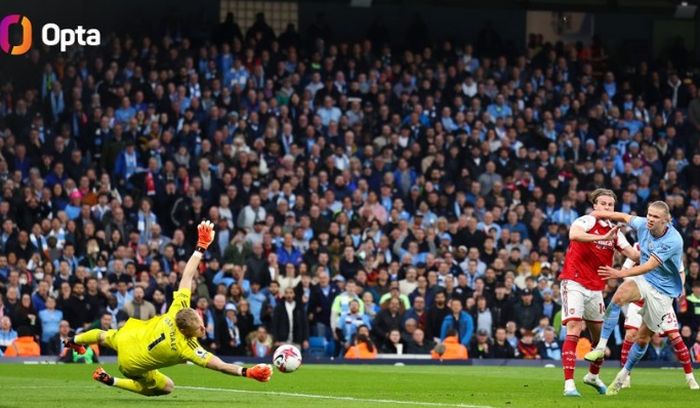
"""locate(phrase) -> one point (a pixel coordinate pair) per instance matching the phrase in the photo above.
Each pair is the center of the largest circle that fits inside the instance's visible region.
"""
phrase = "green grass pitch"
(53, 386)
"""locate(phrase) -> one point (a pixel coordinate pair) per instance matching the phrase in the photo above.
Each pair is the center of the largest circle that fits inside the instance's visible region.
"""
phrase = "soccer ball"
(287, 358)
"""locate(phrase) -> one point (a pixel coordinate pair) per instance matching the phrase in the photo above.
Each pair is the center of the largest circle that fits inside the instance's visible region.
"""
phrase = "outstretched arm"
(613, 216)
(205, 236)
(607, 272)
(260, 372)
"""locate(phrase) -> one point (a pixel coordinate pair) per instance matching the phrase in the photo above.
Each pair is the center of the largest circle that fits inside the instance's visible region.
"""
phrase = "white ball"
(287, 358)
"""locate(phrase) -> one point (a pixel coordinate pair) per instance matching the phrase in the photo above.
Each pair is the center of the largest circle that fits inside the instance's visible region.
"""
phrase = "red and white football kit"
(581, 286)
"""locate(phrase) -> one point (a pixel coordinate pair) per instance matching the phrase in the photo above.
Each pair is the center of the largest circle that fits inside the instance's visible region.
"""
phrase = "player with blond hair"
(633, 321)
(145, 346)
(656, 280)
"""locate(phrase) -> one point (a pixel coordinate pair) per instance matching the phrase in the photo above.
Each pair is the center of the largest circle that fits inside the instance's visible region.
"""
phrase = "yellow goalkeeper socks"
(89, 337)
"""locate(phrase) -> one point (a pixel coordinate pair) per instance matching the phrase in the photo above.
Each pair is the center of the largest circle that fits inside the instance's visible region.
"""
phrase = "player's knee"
(160, 391)
(618, 298)
(630, 335)
(574, 327)
(162, 387)
(157, 392)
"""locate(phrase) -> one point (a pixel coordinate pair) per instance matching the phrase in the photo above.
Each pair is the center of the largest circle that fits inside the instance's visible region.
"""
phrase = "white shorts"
(657, 312)
(579, 303)
(633, 319)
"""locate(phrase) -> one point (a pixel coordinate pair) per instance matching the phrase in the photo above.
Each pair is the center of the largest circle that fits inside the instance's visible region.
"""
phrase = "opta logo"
(51, 35)
(5, 24)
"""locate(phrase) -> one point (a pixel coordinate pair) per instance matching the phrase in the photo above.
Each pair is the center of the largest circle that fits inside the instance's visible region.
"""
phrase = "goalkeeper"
(145, 346)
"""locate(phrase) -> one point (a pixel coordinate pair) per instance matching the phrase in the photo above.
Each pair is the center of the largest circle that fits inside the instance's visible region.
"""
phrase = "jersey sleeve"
(621, 242)
(638, 222)
(181, 300)
(192, 351)
(586, 222)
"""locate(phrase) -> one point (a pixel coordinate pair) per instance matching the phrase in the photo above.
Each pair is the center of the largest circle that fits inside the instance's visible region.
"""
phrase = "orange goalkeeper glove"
(260, 372)
(205, 235)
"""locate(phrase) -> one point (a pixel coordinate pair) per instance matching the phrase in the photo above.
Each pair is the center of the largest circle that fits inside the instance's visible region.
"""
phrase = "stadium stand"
(379, 185)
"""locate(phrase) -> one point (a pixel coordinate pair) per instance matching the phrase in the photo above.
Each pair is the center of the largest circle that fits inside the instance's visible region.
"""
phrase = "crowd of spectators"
(366, 199)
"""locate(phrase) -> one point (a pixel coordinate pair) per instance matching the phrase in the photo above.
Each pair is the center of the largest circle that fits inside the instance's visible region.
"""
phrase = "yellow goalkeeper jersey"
(156, 343)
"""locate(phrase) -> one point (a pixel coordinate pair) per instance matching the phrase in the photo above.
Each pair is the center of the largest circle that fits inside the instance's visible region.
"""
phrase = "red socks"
(568, 356)
(682, 354)
(595, 366)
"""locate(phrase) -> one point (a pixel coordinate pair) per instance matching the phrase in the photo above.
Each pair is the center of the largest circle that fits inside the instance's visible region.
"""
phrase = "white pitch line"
(274, 394)
(331, 397)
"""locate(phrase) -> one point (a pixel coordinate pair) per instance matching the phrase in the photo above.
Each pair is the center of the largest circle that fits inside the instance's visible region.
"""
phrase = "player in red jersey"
(592, 244)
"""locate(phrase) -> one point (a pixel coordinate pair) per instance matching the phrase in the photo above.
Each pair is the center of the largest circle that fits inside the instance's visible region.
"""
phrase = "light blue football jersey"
(668, 249)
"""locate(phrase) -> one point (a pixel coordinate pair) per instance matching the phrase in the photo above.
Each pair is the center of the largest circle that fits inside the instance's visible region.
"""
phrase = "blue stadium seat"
(317, 346)
(330, 348)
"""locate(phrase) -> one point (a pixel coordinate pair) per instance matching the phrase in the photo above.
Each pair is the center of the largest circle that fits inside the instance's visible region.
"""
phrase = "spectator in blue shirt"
(50, 319)
(56, 176)
(458, 320)
(609, 85)
(40, 296)
(413, 251)
(548, 347)
(515, 225)
(555, 238)
(256, 299)
(329, 112)
(237, 75)
(499, 109)
(123, 295)
(125, 112)
(446, 119)
(230, 275)
(565, 215)
(225, 60)
(127, 163)
(404, 176)
(7, 335)
(224, 277)
(633, 125)
(349, 321)
(73, 208)
(287, 253)
(659, 349)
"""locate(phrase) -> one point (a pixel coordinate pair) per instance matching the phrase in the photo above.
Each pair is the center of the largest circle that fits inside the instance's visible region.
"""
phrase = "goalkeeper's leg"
(95, 336)
(78, 342)
(151, 384)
